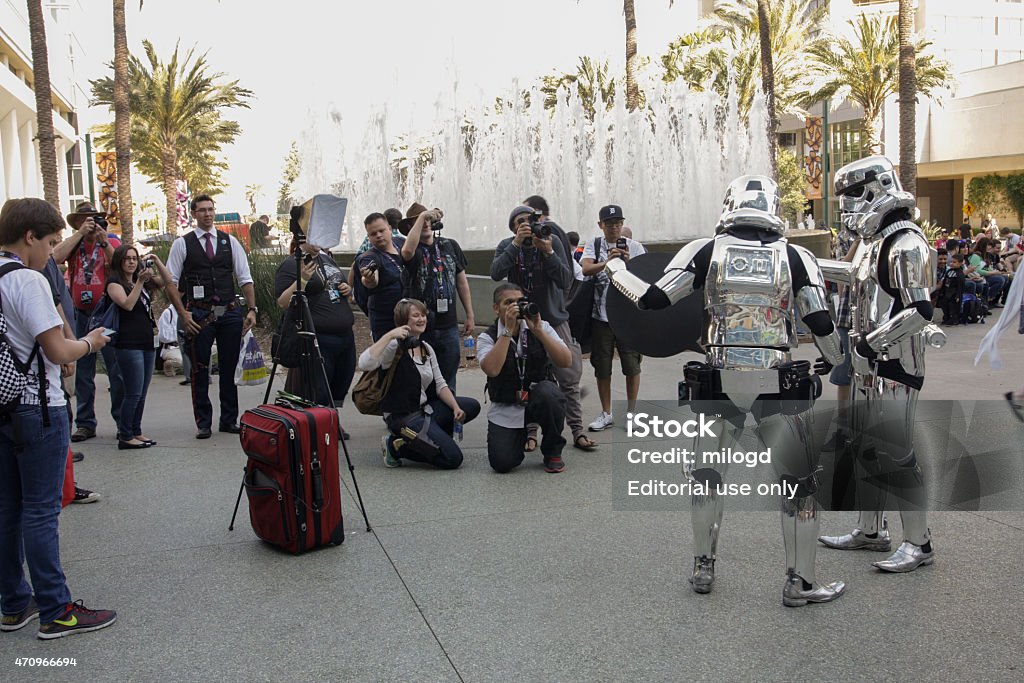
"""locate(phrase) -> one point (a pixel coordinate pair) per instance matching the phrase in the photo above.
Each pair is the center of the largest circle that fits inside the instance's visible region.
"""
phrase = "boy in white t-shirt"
(34, 435)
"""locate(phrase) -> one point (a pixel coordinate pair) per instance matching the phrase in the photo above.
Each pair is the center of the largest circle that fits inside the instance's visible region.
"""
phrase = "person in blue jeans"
(34, 436)
(417, 393)
(129, 286)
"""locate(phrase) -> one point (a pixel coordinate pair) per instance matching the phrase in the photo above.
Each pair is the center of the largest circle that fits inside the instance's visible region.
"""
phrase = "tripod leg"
(352, 473)
(231, 527)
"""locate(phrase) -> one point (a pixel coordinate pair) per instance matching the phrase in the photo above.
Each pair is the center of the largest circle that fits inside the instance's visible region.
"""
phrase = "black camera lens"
(527, 309)
(410, 342)
(437, 226)
(100, 221)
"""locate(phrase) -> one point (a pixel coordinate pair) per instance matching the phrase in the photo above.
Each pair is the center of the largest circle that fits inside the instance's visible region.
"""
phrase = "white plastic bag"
(252, 368)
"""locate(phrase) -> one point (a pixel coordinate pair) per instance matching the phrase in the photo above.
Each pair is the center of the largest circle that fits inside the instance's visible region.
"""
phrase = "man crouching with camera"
(517, 353)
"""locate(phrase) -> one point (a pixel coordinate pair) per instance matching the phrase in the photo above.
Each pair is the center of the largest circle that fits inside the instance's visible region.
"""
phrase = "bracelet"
(89, 344)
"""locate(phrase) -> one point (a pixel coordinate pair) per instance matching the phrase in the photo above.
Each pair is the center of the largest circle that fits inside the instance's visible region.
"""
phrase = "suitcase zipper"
(255, 490)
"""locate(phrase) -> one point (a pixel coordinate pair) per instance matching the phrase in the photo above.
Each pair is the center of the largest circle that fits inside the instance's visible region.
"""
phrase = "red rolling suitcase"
(291, 478)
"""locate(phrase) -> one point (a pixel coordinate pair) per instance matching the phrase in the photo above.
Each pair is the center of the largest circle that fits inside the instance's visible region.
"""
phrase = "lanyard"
(527, 264)
(519, 352)
(437, 264)
(11, 255)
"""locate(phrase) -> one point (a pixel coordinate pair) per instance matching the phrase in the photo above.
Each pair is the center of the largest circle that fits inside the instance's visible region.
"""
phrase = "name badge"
(198, 292)
(442, 305)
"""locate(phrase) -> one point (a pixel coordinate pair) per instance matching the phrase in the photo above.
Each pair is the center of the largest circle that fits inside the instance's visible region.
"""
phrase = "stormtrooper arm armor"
(812, 301)
(840, 272)
(676, 283)
(912, 273)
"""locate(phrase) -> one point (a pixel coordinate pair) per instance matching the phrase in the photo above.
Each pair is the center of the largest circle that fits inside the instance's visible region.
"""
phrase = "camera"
(539, 228)
(436, 226)
(100, 221)
(410, 342)
(621, 244)
(148, 262)
(527, 309)
(370, 267)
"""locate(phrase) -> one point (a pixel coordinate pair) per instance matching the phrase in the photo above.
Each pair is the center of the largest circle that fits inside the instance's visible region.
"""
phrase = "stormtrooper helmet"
(751, 200)
(868, 189)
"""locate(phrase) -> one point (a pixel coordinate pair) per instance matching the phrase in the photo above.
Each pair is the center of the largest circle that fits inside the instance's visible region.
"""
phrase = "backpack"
(371, 388)
(971, 310)
(580, 305)
(14, 373)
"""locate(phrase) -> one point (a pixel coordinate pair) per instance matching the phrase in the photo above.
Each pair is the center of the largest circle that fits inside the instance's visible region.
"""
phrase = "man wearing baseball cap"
(603, 343)
(88, 252)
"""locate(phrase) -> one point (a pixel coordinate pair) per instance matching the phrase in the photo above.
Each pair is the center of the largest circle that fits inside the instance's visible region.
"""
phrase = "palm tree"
(122, 124)
(592, 83)
(632, 89)
(865, 70)
(908, 100)
(768, 82)
(44, 103)
(726, 52)
(177, 127)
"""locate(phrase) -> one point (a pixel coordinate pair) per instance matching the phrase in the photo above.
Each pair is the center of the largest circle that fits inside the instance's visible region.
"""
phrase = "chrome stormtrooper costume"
(891, 275)
(753, 282)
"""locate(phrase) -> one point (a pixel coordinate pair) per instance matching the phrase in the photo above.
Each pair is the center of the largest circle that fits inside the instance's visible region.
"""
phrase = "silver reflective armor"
(749, 299)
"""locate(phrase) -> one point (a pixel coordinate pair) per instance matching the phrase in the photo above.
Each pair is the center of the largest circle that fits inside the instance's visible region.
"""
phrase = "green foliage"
(290, 173)
(1014, 192)
(591, 81)
(176, 120)
(725, 52)
(263, 267)
(866, 69)
(791, 187)
(988, 193)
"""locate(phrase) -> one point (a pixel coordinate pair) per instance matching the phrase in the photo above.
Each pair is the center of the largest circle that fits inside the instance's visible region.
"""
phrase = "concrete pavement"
(470, 575)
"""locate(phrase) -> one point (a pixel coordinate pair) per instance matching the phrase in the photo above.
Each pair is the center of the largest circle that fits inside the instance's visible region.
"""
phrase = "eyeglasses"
(131, 258)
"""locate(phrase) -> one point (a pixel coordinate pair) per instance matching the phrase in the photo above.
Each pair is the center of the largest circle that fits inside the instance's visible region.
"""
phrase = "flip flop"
(529, 448)
(588, 444)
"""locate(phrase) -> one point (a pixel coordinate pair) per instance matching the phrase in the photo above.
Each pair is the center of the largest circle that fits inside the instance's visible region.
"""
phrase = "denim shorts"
(840, 375)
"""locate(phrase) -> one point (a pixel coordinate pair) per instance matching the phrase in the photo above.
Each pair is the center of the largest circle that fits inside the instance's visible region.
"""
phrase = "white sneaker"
(604, 421)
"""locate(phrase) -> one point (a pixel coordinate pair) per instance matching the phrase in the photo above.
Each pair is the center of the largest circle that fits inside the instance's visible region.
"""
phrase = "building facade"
(20, 173)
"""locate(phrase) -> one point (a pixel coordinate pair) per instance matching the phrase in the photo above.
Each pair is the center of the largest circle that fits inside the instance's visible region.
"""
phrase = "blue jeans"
(448, 347)
(136, 371)
(227, 332)
(85, 380)
(30, 494)
(442, 425)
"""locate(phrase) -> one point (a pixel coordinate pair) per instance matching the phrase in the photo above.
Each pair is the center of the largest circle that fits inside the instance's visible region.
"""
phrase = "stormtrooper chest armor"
(749, 296)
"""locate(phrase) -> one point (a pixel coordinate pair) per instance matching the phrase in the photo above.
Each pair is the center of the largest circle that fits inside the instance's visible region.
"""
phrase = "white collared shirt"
(239, 261)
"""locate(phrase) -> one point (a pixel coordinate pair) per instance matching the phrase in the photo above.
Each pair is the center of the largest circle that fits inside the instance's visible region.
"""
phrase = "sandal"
(529, 448)
(586, 445)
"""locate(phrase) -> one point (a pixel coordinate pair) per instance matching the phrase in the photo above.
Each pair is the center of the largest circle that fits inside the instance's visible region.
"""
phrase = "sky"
(306, 57)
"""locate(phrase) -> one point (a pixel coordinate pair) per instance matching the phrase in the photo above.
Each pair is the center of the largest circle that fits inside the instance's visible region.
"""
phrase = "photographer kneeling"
(516, 353)
(420, 410)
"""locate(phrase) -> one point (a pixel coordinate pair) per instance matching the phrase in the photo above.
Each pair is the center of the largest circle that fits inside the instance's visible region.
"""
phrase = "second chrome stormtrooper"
(890, 279)
(753, 283)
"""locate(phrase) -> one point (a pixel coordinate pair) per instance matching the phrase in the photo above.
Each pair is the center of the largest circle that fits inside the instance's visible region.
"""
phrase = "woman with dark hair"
(327, 293)
(130, 285)
(978, 264)
(35, 433)
(417, 394)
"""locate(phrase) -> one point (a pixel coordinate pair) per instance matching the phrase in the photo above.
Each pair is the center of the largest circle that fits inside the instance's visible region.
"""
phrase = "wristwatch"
(254, 309)
(506, 333)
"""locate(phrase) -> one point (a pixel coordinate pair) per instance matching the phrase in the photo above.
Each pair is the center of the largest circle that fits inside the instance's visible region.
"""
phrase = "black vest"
(503, 388)
(404, 393)
(217, 277)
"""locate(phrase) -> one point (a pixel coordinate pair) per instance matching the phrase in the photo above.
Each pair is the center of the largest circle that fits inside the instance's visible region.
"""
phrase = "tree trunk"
(768, 84)
(44, 104)
(632, 89)
(908, 99)
(872, 131)
(170, 172)
(122, 125)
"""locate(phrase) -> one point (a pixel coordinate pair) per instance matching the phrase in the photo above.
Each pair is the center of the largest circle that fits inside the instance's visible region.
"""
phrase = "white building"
(976, 131)
(20, 173)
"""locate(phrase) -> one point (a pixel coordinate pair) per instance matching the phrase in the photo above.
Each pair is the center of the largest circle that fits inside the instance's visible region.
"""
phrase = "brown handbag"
(371, 388)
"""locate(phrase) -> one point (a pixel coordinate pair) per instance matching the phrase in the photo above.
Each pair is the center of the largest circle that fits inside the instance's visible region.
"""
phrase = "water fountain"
(667, 165)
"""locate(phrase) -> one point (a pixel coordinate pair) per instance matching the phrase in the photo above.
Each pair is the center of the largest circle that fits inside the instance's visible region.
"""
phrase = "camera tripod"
(311, 369)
